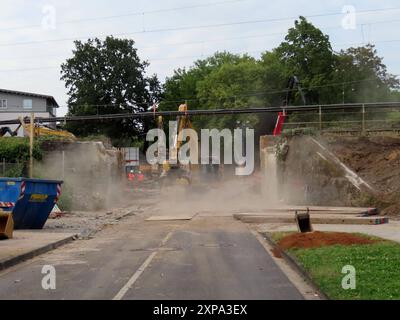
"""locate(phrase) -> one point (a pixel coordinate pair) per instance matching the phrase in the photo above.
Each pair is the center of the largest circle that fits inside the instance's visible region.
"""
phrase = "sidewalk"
(390, 231)
(28, 244)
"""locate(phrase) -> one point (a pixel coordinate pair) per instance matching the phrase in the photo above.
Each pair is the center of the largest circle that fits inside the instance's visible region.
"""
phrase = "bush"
(14, 170)
(14, 149)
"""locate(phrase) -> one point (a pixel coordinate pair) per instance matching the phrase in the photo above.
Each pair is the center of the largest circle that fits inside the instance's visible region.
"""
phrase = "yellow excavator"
(173, 171)
(38, 131)
(186, 174)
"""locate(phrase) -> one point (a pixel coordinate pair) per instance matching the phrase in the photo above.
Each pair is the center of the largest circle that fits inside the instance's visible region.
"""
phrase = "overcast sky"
(37, 36)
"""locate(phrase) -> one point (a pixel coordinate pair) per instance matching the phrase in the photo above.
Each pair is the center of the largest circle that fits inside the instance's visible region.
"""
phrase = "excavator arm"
(39, 131)
(5, 130)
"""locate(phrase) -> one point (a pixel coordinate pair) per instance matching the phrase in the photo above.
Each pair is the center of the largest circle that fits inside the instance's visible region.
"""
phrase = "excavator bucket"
(6, 226)
(303, 221)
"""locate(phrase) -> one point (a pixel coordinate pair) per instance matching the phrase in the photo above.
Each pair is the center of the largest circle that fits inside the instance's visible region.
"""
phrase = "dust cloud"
(92, 175)
(235, 194)
(94, 179)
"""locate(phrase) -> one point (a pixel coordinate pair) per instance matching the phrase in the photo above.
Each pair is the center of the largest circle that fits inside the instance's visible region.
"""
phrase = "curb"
(295, 265)
(5, 264)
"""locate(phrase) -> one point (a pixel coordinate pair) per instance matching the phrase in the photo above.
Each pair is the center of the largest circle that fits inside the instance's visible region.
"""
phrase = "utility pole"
(32, 132)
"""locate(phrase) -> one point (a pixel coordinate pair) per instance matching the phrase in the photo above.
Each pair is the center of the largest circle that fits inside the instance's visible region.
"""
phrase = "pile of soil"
(393, 210)
(375, 159)
(321, 239)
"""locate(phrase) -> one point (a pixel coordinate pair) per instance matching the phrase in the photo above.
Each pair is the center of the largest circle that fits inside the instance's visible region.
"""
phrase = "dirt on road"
(321, 239)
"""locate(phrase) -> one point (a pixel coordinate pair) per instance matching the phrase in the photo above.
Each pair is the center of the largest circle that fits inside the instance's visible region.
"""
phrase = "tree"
(227, 80)
(363, 75)
(232, 85)
(108, 77)
(219, 81)
(308, 54)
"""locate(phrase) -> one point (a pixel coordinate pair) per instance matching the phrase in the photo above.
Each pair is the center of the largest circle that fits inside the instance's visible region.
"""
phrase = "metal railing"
(355, 117)
(12, 169)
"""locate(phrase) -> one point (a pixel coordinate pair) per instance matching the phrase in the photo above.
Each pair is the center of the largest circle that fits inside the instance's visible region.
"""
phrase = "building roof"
(29, 94)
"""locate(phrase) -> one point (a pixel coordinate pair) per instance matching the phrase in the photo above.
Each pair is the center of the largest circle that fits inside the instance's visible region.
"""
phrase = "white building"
(14, 104)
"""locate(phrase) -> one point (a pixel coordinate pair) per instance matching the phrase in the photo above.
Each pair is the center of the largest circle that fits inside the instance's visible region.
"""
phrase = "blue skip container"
(30, 200)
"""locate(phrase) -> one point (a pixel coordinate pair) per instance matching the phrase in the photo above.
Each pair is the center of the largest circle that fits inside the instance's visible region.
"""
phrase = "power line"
(181, 28)
(179, 57)
(259, 93)
(123, 15)
(152, 59)
(248, 94)
(204, 112)
(264, 35)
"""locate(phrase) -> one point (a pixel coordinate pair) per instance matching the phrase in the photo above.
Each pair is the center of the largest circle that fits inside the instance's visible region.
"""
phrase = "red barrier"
(279, 123)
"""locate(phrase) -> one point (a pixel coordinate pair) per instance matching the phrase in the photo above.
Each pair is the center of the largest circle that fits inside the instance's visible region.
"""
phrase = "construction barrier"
(30, 201)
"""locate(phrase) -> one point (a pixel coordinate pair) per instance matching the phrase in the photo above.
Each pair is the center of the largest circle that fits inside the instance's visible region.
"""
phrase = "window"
(27, 104)
(3, 104)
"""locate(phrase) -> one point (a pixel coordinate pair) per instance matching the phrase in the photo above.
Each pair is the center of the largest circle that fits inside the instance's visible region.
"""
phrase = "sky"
(36, 36)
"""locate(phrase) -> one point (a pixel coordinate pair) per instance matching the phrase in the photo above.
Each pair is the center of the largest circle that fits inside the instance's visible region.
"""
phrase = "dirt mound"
(375, 159)
(393, 210)
(321, 239)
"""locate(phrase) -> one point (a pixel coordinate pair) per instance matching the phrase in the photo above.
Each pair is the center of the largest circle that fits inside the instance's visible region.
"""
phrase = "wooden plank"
(316, 210)
(353, 221)
(315, 219)
(171, 218)
(292, 209)
(328, 213)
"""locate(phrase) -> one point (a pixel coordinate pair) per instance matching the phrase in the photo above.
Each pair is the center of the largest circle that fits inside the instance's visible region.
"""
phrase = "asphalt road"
(205, 258)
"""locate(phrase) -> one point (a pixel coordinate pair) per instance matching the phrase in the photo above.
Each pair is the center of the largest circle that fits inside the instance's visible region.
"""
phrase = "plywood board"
(315, 219)
(171, 218)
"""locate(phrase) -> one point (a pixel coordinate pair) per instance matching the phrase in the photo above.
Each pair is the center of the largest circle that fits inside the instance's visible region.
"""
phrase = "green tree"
(220, 81)
(308, 54)
(108, 77)
(362, 76)
(232, 85)
(182, 86)
(227, 80)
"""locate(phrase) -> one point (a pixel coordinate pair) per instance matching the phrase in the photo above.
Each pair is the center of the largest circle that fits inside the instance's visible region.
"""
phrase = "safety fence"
(356, 118)
(13, 169)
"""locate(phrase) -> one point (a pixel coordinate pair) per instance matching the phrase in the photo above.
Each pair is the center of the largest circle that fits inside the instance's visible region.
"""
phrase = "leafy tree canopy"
(110, 73)
(227, 80)
(108, 77)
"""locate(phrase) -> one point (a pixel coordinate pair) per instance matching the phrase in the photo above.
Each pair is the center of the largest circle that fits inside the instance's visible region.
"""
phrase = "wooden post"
(63, 164)
(320, 118)
(363, 119)
(31, 140)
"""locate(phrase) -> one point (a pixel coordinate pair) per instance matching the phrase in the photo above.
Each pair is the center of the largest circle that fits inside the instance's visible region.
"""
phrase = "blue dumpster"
(30, 200)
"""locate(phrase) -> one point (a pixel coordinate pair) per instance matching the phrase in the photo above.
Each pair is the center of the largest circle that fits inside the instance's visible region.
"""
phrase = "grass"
(377, 269)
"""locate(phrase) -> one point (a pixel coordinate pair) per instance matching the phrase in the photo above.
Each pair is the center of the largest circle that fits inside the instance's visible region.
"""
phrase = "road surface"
(204, 258)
